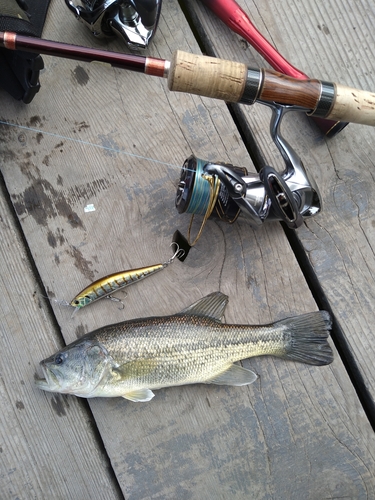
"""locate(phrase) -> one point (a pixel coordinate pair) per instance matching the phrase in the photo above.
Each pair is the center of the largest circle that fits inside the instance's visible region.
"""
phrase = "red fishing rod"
(220, 79)
(238, 21)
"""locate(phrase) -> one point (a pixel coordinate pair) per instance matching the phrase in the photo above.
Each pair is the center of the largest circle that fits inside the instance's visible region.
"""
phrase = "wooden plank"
(48, 446)
(335, 45)
(298, 430)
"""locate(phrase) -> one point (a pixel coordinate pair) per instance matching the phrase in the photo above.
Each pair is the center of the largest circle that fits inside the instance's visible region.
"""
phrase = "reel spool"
(194, 191)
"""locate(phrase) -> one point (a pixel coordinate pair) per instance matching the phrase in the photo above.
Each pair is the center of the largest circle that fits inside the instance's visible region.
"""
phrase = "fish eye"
(59, 359)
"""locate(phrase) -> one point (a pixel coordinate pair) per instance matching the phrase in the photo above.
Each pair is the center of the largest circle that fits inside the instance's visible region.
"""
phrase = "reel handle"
(282, 200)
(134, 21)
(149, 11)
(235, 82)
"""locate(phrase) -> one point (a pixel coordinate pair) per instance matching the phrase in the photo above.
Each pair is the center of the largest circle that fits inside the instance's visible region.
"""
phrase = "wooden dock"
(100, 136)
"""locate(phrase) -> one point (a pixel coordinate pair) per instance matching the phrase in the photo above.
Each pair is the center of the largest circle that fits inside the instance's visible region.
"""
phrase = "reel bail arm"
(236, 188)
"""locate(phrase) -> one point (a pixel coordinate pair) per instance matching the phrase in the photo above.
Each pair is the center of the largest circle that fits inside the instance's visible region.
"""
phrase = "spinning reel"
(134, 21)
(230, 191)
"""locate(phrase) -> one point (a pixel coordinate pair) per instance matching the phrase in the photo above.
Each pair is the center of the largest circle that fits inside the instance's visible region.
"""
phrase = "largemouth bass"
(133, 358)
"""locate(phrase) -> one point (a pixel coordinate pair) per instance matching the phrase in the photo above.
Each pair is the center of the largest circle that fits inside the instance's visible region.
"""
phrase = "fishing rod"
(238, 21)
(135, 23)
(221, 79)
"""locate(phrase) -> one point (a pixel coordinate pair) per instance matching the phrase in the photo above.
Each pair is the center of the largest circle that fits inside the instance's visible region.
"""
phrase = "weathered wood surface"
(96, 135)
(48, 447)
(333, 44)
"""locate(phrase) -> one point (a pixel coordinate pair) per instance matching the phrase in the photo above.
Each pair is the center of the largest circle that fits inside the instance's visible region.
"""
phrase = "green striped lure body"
(112, 283)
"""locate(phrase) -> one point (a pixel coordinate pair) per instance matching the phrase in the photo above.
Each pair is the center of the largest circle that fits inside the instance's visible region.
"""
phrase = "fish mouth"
(45, 382)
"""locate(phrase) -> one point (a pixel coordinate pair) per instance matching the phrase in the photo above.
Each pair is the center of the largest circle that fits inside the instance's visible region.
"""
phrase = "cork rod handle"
(353, 105)
(207, 76)
(235, 82)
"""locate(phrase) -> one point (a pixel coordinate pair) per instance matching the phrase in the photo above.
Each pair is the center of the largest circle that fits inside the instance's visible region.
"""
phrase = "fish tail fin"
(308, 338)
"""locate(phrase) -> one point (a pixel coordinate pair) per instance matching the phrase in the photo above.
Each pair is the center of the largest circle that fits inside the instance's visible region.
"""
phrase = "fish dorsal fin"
(211, 306)
(234, 375)
(140, 396)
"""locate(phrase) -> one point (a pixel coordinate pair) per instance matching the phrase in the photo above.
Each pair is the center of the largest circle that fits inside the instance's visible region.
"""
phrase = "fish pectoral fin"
(235, 375)
(140, 396)
(211, 306)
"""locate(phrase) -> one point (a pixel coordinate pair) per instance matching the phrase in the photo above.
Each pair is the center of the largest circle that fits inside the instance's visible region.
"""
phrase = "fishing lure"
(107, 285)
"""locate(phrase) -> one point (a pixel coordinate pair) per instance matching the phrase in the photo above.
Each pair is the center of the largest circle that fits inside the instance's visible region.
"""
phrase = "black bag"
(19, 70)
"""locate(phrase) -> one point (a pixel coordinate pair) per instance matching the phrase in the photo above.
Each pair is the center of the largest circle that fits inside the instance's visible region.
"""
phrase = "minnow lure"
(104, 287)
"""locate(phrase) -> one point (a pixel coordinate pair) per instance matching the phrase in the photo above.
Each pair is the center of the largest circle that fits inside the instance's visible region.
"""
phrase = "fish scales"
(132, 358)
(181, 351)
(172, 337)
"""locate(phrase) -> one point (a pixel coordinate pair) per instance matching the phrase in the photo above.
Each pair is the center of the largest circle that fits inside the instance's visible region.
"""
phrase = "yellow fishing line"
(214, 192)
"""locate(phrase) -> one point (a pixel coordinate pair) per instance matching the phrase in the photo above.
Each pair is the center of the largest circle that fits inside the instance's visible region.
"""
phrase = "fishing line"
(201, 193)
(213, 191)
(205, 192)
(87, 143)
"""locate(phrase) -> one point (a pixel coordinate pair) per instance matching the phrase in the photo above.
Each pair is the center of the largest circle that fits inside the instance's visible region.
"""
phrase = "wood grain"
(342, 265)
(47, 445)
(116, 140)
(285, 90)
(339, 243)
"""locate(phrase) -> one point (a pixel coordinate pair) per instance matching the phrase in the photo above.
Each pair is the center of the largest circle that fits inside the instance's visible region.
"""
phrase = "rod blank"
(220, 79)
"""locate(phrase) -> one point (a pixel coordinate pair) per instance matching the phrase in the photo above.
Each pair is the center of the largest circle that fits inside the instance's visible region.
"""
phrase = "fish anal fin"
(234, 375)
(139, 396)
(211, 306)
